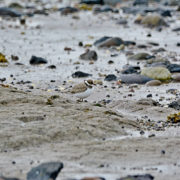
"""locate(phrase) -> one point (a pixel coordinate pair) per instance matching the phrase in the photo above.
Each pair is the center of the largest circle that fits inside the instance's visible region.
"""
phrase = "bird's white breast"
(84, 94)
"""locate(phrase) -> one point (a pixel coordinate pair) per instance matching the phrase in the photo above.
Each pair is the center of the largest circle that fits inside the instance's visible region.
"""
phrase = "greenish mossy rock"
(158, 73)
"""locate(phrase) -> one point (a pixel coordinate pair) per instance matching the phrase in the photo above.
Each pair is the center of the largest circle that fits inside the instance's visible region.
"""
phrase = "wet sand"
(89, 140)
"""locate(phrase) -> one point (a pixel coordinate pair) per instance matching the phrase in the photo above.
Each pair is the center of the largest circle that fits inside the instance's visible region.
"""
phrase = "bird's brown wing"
(79, 88)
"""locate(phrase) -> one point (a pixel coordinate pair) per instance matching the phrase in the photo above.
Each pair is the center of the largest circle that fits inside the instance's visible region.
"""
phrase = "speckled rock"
(45, 171)
(158, 73)
(175, 105)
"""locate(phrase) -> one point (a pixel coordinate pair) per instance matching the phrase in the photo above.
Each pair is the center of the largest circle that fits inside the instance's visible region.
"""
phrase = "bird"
(83, 90)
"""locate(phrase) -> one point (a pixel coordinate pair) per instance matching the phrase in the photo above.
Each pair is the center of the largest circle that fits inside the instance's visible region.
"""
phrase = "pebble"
(154, 83)
(110, 77)
(89, 55)
(176, 77)
(37, 60)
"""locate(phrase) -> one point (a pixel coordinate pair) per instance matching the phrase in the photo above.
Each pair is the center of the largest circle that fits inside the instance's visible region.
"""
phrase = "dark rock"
(127, 43)
(166, 13)
(45, 171)
(134, 79)
(80, 44)
(93, 178)
(110, 62)
(178, 44)
(41, 12)
(173, 68)
(14, 58)
(110, 77)
(101, 2)
(140, 2)
(176, 29)
(4, 11)
(138, 177)
(89, 55)
(108, 42)
(104, 9)
(142, 46)
(149, 96)
(5, 178)
(128, 69)
(68, 10)
(37, 60)
(175, 105)
(52, 67)
(99, 41)
(153, 43)
(79, 74)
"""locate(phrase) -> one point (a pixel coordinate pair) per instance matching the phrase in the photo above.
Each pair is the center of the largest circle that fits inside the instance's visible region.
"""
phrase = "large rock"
(4, 11)
(153, 21)
(134, 79)
(158, 73)
(45, 171)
